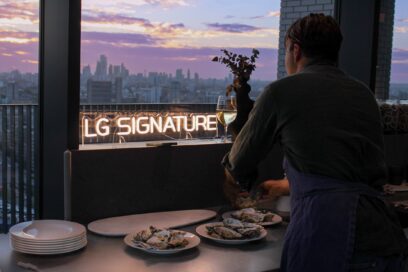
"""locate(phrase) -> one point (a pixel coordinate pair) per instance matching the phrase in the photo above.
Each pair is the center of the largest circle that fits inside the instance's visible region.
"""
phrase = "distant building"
(11, 92)
(118, 86)
(179, 75)
(384, 54)
(99, 91)
(101, 71)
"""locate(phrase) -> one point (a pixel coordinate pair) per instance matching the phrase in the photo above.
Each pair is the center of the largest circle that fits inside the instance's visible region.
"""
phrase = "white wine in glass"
(226, 112)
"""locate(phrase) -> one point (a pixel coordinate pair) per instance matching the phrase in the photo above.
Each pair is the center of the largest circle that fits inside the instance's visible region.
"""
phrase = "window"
(19, 40)
(399, 67)
(155, 56)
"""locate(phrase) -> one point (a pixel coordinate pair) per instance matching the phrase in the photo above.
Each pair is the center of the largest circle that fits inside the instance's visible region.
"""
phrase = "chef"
(329, 127)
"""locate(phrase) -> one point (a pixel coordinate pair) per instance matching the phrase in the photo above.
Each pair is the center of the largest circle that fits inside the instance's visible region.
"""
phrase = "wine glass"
(226, 112)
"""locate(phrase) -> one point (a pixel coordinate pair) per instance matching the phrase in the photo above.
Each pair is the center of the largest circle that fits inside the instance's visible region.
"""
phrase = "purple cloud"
(116, 18)
(233, 28)
(118, 38)
(12, 10)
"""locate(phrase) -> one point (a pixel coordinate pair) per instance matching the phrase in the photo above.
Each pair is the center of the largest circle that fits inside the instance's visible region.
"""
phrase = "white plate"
(47, 230)
(123, 225)
(276, 219)
(202, 231)
(45, 250)
(31, 246)
(48, 252)
(50, 243)
(193, 241)
(16, 245)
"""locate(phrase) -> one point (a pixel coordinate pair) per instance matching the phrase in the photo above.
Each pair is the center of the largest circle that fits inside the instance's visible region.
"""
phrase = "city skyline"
(165, 35)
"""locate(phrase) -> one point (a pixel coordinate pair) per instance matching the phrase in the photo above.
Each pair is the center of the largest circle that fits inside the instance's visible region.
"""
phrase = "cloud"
(120, 5)
(21, 53)
(118, 38)
(273, 14)
(18, 37)
(401, 29)
(399, 67)
(403, 20)
(27, 10)
(269, 14)
(167, 3)
(105, 18)
(29, 61)
(233, 28)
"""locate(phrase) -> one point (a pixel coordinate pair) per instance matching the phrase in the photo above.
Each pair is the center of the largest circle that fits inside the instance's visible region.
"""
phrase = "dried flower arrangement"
(240, 66)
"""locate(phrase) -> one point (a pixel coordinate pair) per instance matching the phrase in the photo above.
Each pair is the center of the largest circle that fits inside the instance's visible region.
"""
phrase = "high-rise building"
(179, 75)
(101, 72)
(188, 75)
(291, 10)
(384, 53)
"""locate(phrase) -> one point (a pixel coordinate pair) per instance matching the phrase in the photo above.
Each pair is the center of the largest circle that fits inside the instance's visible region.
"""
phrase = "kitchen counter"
(105, 254)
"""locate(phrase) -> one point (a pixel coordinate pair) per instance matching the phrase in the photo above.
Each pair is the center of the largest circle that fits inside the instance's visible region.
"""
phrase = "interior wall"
(116, 182)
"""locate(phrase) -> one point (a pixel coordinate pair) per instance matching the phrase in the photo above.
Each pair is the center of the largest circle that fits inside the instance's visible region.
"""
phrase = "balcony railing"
(19, 185)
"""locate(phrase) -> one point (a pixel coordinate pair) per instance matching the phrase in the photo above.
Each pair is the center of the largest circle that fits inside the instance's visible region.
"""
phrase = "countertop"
(104, 254)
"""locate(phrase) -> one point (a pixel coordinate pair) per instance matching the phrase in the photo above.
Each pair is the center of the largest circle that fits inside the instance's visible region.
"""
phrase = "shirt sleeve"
(255, 140)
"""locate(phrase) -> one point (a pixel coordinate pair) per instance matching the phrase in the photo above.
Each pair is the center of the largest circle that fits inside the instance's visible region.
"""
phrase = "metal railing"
(19, 157)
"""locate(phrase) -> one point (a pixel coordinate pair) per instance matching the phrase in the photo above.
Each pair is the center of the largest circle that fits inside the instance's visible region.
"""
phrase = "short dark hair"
(318, 35)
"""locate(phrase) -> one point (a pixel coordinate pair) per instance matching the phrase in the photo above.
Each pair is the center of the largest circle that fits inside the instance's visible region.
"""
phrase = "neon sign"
(143, 123)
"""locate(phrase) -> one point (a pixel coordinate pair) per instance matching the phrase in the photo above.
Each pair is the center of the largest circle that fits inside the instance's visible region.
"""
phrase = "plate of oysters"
(257, 216)
(162, 241)
(232, 231)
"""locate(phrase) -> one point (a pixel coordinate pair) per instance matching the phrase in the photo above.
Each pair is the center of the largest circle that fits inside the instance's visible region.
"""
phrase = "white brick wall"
(291, 10)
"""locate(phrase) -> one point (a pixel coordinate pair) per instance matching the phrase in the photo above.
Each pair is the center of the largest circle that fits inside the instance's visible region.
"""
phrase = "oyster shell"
(143, 235)
(157, 242)
(161, 238)
(177, 240)
(233, 223)
(252, 217)
(250, 232)
(227, 233)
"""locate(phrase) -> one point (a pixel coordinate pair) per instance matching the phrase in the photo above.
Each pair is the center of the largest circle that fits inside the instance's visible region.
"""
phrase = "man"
(328, 125)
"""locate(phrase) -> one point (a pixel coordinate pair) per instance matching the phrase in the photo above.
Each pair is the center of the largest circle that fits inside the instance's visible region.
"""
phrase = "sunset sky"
(163, 35)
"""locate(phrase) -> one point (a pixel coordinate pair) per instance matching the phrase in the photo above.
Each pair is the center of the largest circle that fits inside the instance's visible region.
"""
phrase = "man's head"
(316, 37)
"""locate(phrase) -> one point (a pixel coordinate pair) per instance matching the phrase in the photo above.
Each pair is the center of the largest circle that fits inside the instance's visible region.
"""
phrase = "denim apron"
(321, 233)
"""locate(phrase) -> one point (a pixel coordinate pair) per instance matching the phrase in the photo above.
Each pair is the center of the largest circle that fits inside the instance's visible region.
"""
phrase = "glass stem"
(225, 133)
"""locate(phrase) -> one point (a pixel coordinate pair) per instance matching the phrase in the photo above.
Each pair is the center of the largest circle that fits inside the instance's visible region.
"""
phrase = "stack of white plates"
(47, 237)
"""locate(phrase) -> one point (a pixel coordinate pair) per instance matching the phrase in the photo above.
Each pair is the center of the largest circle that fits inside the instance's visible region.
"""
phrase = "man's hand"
(235, 195)
(274, 188)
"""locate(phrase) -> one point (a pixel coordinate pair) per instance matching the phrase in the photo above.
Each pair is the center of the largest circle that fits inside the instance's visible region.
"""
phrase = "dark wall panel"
(116, 182)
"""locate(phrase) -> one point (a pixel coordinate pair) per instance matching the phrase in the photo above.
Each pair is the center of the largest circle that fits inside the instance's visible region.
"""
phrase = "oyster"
(143, 235)
(233, 223)
(250, 232)
(251, 225)
(238, 214)
(177, 240)
(161, 238)
(157, 242)
(227, 233)
(163, 234)
(252, 217)
(215, 235)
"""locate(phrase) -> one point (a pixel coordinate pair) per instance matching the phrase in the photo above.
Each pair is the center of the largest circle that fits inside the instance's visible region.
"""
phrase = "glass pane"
(399, 67)
(19, 43)
(154, 57)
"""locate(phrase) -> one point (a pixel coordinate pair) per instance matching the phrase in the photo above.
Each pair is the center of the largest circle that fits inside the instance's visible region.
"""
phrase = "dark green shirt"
(327, 124)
